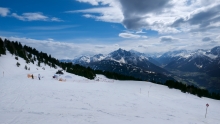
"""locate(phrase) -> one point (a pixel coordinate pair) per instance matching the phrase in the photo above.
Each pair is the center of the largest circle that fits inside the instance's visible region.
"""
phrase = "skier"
(39, 76)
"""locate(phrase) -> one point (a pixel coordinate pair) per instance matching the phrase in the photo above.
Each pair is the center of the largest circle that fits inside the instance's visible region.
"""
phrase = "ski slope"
(100, 101)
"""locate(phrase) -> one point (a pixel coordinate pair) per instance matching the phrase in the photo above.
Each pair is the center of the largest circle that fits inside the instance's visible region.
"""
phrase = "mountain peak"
(215, 51)
(120, 52)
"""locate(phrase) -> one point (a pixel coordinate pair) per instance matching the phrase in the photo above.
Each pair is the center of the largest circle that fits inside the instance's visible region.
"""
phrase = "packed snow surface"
(100, 101)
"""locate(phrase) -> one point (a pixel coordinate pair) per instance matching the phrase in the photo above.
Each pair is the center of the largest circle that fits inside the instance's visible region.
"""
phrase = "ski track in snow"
(82, 101)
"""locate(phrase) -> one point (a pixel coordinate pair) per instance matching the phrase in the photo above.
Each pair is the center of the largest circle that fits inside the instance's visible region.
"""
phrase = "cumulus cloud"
(163, 16)
(34, 17)
(205, 39)
(135, 12)
(203, 18)
(4, 11)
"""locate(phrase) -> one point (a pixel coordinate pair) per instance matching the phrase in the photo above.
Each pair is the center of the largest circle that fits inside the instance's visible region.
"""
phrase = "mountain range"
(124, 62)
(206, 61)
(199, 67)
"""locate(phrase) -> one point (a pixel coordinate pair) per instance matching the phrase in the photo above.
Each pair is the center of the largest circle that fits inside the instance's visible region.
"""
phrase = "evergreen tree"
(2, 47)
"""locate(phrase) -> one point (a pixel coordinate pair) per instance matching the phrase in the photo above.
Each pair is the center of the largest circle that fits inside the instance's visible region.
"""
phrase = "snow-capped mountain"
(215, 51)
(170, 56)
(140, 65)
(125, 62)
(150, 57)
(200, 67)
(198, 60)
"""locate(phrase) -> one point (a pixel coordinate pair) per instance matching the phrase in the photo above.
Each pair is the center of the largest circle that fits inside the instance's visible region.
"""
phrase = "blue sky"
(87, 27)
(66, 27)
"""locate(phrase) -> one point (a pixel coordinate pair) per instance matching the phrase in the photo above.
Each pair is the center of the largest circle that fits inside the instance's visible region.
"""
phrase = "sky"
(70, 28)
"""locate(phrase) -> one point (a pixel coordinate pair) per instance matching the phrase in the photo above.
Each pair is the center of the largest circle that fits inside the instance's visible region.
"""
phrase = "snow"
(100, 58)
(211, 56)
(121, 61)
(85, 59)
(198, 66)
(191, 54)
(82, 101)
(141, 58)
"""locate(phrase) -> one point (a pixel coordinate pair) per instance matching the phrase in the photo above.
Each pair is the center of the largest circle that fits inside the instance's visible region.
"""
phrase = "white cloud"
(130, 35)
(93, 2)
(106, 14)
(4, 11)
(54, 19)
(37, 16)
(30, 16)
(59, 27)
(166, 17)
(140, 32)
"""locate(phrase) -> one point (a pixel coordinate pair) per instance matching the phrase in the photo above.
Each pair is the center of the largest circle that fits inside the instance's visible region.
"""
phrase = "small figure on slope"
(39, 76)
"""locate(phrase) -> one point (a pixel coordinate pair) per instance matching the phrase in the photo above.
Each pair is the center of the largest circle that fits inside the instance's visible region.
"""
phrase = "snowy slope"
(103, 101)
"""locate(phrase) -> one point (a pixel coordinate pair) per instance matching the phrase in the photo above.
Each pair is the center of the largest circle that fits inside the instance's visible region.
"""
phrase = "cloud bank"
(67, 50)
(163, 16)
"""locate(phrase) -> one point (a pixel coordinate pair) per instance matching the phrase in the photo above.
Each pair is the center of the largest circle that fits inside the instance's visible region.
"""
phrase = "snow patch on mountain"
(122, 60)
(198, 66)
(190, 54)
(85, 59)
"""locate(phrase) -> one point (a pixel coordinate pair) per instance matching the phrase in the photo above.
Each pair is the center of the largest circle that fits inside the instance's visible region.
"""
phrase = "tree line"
(191, 89)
